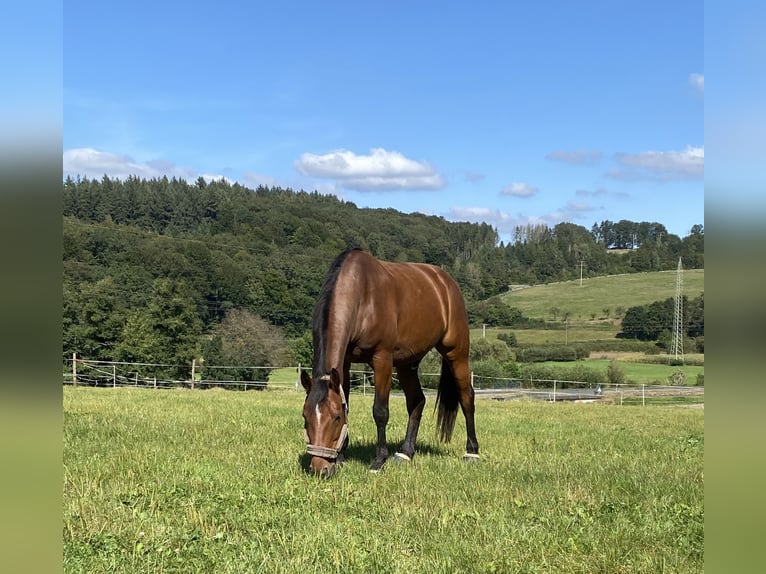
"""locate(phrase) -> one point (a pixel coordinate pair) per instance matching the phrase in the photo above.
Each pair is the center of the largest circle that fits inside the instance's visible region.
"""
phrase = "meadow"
(596, 294)
(213, 481)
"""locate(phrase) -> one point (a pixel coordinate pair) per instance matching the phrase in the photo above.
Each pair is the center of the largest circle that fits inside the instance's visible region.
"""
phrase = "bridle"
(330, 453)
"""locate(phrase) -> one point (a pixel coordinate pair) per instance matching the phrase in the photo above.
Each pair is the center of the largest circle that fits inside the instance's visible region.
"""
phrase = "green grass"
(211, 481)
(573, 335)
(599, 293)
(285, 376)
(637, 373)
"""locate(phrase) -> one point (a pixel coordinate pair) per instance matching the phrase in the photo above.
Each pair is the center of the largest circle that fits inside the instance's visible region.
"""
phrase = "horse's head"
(325, 415)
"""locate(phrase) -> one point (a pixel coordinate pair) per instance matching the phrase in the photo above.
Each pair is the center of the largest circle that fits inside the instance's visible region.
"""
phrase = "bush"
(614, 374)
(483, 349)
(487, 368)
(508, 338)
(576, 373)
(657, 359)
(552, 353)
(700, 379)
(678, 378)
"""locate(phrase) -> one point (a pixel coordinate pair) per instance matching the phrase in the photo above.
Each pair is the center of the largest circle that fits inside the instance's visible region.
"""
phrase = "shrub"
(677, 378)
(576, 373)
(508, 338)
(483, 349)
(495, 372)
(614, 374)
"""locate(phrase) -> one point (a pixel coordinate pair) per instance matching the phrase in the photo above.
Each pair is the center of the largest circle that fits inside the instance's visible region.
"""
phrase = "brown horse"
(386, 315)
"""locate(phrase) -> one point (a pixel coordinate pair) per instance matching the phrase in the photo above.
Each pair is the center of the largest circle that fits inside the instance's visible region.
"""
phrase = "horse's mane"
(322, 314)
(319, 330)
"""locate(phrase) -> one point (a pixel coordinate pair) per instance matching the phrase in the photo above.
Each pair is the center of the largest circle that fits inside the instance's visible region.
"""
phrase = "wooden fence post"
(74, 369)
(194, 368)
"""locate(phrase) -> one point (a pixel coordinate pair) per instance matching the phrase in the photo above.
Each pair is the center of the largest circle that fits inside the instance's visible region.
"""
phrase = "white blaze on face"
(319, 416)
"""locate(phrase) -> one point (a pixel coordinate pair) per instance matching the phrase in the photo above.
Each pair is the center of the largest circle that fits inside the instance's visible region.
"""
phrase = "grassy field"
(599, 293)
(600, 331)
(638, 373)
(212, 481)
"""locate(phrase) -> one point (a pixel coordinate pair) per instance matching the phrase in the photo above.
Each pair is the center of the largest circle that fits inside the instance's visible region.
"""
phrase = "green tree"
(166, 332)
(245, 340)
(92, 319)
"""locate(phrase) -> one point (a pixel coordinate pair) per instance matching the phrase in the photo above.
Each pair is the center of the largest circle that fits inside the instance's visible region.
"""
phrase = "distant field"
(596, 294)
(638, 373)
(571, 335)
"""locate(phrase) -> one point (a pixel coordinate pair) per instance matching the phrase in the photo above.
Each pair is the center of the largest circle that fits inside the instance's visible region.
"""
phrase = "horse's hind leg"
(462, 375)
(416, 400)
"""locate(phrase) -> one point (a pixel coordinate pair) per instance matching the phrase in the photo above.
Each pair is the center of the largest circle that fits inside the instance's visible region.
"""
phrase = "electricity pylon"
(677, 343)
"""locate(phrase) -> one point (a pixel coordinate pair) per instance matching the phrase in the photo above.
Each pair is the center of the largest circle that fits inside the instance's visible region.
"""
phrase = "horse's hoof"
(401, 458)
(377, 466)
(470, 457)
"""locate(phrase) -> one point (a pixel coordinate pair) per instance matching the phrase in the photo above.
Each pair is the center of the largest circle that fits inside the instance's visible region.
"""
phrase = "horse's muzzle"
(322, 467)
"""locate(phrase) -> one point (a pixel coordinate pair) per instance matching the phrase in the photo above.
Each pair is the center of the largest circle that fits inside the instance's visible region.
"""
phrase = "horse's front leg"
(382, 366)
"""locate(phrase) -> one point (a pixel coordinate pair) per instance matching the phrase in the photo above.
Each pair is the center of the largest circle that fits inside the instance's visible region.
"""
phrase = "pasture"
(637, 373)
(597, 294)
(211, 481)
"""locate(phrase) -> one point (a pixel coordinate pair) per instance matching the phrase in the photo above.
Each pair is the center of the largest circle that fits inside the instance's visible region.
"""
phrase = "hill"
(152, 268)
(597, 295)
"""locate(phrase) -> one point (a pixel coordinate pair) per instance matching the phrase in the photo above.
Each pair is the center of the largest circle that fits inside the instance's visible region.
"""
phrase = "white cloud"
(520, 189)
(381, 170)
(478, 214)
(253, 180)
(578, 157)
(661, 165)
(697, 81)
(498, 219)
(601, 192)
(506, 223)
(92, 163)
(577, 207)
(473, 176)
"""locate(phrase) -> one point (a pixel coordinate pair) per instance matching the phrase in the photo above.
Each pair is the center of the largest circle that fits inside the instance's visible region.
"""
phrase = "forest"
(164, 270)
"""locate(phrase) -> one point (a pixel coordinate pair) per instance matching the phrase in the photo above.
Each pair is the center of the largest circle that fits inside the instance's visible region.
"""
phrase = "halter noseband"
(330, 453)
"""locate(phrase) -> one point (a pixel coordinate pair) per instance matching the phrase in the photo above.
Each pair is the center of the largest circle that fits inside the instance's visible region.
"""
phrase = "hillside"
(597, 294)
(152, 268)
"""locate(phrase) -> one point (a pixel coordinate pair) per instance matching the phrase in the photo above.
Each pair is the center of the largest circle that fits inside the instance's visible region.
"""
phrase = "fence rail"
(144, 375)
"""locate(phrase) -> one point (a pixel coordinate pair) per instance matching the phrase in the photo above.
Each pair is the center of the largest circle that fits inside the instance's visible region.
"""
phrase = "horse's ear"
(306, 381)
(334, 379)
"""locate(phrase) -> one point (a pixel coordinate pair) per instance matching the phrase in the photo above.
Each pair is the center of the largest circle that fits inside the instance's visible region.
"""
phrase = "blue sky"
(508, 113)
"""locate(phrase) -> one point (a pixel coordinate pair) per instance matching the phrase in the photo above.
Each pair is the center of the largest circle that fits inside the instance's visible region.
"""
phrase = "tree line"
(654, 322)
(153, 268)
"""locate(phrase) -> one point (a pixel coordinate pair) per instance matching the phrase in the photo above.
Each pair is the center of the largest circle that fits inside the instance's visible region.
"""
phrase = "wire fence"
(116, 374)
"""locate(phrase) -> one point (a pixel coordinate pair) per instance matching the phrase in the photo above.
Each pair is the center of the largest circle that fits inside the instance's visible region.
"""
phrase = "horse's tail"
(447, 400)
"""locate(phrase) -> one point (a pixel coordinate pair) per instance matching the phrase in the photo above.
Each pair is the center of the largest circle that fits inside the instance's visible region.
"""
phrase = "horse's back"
(409, 306)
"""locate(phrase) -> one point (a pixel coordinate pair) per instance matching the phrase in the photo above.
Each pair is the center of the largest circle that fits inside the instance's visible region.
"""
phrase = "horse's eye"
(337, 419)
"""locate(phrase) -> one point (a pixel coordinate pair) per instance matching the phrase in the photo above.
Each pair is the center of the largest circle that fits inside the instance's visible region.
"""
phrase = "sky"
(507, 113)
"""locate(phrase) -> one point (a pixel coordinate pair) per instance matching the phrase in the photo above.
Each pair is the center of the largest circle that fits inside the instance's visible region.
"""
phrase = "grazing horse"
(386, 315)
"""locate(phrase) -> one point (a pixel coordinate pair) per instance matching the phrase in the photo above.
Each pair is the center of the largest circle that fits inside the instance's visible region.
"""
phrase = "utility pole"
(582, 262)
